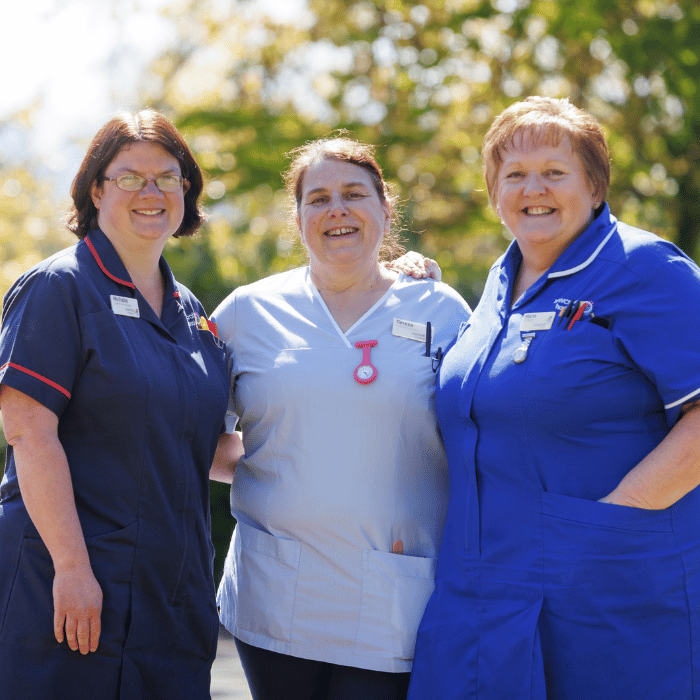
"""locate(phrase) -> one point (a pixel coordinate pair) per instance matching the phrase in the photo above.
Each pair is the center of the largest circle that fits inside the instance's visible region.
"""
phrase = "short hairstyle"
(546, 120)
(123, 129)
(347, 150)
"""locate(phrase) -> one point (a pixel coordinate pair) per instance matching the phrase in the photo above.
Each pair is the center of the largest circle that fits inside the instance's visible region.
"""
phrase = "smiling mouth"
(340, 231)
(149, 212)
(538, 211)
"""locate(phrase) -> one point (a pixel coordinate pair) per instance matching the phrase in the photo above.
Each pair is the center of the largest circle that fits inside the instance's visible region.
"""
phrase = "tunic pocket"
(265, 571)
(395, 591)
(615, 611)
(29, 618)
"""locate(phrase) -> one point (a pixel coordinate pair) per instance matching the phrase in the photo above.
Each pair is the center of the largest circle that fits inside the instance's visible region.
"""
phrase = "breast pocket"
(395, 591)
(266, 571)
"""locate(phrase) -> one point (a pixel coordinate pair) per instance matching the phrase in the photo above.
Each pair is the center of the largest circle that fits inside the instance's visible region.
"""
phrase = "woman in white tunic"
(341, 497)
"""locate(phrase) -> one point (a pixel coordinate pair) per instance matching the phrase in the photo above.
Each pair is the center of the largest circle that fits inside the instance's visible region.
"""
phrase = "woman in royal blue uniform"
(570, 563)
(114, 390)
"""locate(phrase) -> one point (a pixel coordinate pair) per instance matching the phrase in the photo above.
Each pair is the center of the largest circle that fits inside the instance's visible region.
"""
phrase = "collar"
(107, 259)
(579, 255)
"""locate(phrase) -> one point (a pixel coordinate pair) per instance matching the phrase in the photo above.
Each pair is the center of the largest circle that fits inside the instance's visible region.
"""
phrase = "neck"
(344, 279)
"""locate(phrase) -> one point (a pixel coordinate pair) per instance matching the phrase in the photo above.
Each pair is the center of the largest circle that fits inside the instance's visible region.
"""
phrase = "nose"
(338, 206)
(150, 188)
(533, 184)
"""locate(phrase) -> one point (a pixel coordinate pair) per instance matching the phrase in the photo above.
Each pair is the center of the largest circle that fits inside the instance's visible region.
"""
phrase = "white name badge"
(125, 306)
(541, 321)
(409, 329)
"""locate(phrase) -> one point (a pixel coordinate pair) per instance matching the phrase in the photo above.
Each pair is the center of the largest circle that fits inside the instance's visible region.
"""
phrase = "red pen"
(579, 312)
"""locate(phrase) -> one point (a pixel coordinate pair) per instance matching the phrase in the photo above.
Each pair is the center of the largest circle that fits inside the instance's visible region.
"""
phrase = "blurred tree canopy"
(421, 81)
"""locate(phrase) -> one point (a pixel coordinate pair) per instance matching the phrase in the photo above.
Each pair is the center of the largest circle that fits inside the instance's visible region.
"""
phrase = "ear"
(387, 218)
(96, 195)
(301, 231)
(185, 186)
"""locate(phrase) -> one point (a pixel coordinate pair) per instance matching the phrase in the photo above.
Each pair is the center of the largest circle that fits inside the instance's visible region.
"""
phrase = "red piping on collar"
(103, 268)
(37, 376)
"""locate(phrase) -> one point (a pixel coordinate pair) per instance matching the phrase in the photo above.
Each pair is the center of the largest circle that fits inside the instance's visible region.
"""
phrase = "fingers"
(95, 631)
(397, 547)
(433, 269)
(77, 611)
(58, 621)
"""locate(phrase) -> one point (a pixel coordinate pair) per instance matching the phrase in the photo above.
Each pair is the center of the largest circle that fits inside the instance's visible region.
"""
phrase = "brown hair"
(123, 129)
(347, 150)
(545, 120)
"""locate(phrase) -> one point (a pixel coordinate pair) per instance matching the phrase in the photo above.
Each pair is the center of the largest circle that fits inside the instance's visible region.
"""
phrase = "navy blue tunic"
(141, 404)
(541, 590)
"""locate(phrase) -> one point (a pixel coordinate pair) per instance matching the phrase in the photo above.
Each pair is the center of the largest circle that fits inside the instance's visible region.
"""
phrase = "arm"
(47, 491)
(417, 266)
(228, 452)
(668, 472)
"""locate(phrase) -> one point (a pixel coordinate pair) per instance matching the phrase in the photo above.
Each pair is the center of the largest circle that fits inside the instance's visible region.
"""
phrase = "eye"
(355, 195)
(513, 175)
(318, 199)
(554, 173)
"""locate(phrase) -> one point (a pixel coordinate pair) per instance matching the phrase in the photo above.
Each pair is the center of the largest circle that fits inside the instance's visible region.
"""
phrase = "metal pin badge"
(520, 353)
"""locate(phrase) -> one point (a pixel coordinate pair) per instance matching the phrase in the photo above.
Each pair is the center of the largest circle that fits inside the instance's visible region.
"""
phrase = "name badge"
(541, 321)
(125, 306)
(409, 329)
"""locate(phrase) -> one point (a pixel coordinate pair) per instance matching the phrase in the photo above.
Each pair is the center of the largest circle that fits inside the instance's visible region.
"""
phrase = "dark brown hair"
(545, 120)
(123, 129)
(347, 150)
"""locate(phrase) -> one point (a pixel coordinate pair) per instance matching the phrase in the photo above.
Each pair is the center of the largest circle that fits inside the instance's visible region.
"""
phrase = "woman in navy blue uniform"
(114, 391)
(570, 563)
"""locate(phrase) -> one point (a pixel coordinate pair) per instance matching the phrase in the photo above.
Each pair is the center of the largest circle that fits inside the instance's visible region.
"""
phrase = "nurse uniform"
(541, 590)
(141, 402)
(335, 470)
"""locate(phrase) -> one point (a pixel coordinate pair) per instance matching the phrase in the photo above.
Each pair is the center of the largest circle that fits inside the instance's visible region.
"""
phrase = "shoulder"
(248, 300)
(409, 289)
(283, 284)
(642, 252)
(59, 271)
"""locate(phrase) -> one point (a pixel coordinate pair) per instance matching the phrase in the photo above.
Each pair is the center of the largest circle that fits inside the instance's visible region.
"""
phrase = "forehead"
(141, 155)
(525, 147)
(330, 172)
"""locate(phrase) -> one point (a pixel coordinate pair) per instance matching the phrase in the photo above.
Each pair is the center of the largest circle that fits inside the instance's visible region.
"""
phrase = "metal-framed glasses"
(130, 182)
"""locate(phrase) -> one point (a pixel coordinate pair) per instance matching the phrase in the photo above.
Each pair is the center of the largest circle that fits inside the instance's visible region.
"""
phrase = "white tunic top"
(334, 471)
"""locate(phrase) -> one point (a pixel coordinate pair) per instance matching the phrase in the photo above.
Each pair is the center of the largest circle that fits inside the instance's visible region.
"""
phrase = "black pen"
(566, 312)
(428, 338)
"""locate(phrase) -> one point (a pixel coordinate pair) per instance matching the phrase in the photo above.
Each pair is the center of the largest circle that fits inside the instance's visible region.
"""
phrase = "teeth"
(149, 212)
(539, 210)
(340, 231)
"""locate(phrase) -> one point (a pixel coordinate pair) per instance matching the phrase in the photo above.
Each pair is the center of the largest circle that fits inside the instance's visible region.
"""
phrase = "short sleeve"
(660, 331)
(40, 344)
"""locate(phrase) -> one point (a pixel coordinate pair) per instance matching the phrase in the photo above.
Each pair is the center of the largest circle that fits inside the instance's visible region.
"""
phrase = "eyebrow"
(346, 186)
(171, 171)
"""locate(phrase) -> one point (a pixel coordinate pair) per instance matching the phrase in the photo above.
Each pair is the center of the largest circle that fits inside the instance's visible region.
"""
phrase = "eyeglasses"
(134, 183)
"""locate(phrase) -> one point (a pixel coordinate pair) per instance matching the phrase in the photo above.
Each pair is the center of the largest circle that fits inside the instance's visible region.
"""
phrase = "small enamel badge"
(365, 372)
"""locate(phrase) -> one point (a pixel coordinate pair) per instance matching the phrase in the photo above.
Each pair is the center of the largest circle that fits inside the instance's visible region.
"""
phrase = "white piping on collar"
(571, 271)
(683, 400)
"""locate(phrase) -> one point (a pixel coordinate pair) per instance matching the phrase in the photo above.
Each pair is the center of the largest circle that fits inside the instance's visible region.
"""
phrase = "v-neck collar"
(369, 312)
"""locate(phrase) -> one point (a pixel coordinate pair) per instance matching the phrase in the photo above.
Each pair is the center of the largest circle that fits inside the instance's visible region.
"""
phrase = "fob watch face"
(365, 371)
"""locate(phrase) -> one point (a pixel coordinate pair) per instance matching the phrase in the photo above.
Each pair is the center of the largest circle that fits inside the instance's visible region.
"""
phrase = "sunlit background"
(248, 81)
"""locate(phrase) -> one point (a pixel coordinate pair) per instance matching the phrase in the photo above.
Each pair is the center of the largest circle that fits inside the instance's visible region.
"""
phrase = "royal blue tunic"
(541, 590)
(141, 403)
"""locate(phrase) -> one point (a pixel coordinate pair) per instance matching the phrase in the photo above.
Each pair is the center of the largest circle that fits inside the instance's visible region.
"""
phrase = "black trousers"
(274, 676)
